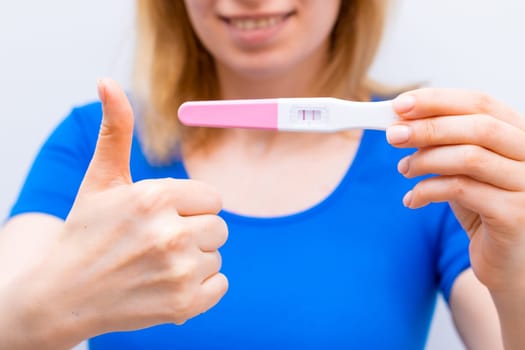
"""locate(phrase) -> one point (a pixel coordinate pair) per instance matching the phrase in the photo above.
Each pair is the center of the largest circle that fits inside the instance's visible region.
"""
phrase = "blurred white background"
(52, 52)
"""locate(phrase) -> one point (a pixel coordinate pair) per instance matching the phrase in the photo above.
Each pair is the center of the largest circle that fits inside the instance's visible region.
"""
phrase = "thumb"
(110, 163)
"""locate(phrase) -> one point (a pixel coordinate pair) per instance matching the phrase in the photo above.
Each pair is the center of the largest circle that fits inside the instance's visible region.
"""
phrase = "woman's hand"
(476, 146)
(131, 255)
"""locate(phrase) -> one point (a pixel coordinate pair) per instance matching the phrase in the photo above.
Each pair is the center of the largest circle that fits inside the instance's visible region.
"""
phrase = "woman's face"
(263, 37)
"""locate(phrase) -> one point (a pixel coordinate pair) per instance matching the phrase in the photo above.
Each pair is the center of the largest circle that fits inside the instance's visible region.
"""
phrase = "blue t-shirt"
(356, 271)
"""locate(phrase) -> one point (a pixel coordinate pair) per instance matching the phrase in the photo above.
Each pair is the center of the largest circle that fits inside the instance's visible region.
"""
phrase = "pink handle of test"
(231, 114)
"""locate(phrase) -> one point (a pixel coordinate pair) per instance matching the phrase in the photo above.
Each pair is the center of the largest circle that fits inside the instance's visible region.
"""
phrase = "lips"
(256, 29)
(254, 23)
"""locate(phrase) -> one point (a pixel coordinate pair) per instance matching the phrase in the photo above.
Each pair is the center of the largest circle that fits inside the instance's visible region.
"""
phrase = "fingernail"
(101, 87)
(407, 199)
(398, 134)
(404, 103)
(403, 165)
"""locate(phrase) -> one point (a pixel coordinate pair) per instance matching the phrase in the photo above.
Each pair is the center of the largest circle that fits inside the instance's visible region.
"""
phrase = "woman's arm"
(128, 256)
(474, 313)
(24, 241)
(478, 321)
(511, 310)
(476, 145)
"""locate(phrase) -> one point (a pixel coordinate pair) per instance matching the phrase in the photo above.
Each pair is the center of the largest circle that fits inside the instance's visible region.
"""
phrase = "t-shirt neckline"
(352, 171)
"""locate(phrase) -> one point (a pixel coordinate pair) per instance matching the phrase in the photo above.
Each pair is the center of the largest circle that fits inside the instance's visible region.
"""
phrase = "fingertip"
(110, 162)
(407, 199)
(398, 134)
(404, 103)
(404, 165)
(110, 91)
(101, 89)
(116, 106)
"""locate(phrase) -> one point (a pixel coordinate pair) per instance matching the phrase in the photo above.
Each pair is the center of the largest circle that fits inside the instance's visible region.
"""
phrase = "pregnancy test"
(319, 114)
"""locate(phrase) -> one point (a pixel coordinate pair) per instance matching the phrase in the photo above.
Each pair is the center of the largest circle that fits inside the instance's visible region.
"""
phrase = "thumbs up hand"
(132, 255)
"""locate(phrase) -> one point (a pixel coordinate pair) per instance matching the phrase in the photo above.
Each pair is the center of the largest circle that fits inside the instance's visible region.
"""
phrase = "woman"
(321, 252)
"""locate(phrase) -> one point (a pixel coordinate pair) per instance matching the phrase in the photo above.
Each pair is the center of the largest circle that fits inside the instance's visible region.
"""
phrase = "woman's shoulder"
(77, 131)
(82, 119)
(88, 115)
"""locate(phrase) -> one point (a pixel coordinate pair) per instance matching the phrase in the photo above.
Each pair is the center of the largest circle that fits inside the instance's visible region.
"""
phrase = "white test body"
(327, 114)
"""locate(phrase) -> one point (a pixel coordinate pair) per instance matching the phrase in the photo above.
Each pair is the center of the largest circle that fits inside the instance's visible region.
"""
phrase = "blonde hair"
(171, 63)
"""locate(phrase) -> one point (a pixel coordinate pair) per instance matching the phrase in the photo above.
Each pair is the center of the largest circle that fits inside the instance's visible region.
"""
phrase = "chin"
(262, 71)
(262, 66)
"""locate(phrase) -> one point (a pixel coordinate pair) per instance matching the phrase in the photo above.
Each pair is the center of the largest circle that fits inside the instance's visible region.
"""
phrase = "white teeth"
(252, 24)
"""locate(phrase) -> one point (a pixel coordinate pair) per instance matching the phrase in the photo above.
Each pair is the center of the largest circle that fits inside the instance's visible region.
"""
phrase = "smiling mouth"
(256, 22)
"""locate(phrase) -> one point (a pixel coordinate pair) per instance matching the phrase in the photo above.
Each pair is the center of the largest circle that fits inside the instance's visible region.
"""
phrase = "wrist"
(30, 319)
(511, 311)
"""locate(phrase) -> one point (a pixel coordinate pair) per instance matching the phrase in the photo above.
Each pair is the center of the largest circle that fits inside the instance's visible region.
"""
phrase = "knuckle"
(486, 128)
(179, 321)
(165, 240)
(167, 251)
(473, 158)
(181, 301)
(483, 102)
(144, 198)
(457, 186)
(181, 239)
(182, 274)
(154, 241)
(181, 307)
(430, 130)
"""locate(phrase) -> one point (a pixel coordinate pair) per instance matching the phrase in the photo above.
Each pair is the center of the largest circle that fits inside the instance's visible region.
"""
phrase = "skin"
(129, 255)
(257, 159)
(477, 146)
(295, 47)
(146, 274)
